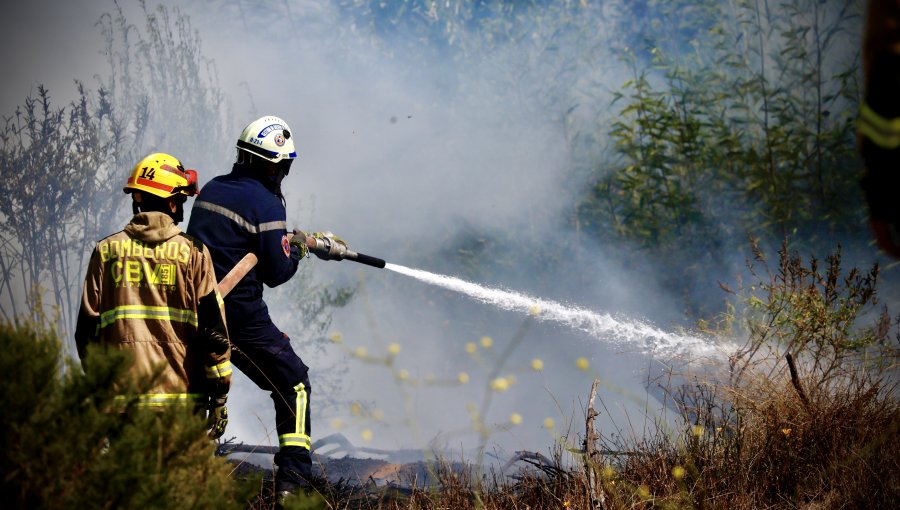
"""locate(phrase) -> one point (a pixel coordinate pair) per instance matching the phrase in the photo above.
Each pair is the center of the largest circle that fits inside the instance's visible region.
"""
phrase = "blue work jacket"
(236, 214)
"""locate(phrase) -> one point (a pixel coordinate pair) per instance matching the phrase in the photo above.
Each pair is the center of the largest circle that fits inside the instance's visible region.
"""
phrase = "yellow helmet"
(162, 175)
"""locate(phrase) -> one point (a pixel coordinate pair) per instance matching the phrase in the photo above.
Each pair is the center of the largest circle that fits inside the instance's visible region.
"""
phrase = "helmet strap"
(268, 173)
(152, 203)
(244, 157)
(178, 214)
(136, 201)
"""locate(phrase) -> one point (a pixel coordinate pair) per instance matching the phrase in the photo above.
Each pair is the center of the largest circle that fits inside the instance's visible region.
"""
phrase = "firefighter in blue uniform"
(244, 212)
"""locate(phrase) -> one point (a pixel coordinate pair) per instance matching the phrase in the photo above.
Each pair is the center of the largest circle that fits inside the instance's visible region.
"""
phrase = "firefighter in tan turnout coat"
(152, 290)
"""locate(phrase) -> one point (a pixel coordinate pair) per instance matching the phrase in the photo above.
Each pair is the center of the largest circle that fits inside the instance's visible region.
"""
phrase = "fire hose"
(315, 245)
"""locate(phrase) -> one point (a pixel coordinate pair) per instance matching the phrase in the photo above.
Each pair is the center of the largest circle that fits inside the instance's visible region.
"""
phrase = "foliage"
(162, 90)
(53, 158)
(746, 134)
(819, 315)
(68, 164)
(745, 128)
(68, 442)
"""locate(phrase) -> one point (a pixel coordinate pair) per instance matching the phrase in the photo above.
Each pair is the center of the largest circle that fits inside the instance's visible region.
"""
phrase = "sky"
(398, 161)
(50, 43)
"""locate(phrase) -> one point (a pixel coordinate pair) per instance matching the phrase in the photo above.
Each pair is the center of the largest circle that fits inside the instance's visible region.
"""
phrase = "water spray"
(626, 333)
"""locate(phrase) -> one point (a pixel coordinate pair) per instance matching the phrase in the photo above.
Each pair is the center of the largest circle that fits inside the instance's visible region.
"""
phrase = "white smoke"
(396, 156)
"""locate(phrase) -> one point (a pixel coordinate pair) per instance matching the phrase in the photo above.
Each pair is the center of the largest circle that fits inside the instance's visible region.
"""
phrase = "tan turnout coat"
(149, 289)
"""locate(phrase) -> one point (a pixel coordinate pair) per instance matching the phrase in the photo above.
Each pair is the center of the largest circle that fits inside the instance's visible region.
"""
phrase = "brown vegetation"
(806, 415)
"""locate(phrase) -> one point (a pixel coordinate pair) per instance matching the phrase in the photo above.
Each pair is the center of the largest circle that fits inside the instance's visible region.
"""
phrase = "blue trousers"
(271, 363)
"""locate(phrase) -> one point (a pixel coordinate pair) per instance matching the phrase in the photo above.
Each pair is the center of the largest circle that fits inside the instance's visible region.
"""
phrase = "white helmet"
(268, 137)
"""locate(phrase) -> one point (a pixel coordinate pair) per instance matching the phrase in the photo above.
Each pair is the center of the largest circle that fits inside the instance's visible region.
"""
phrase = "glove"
(217, 419)
(299, 249)
(329, 246)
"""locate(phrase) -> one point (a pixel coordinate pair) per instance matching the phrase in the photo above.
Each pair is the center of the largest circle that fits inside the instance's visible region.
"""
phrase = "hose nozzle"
(328, 247)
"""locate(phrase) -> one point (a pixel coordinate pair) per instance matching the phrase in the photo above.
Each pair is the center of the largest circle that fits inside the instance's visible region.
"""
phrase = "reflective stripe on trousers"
(298, 437)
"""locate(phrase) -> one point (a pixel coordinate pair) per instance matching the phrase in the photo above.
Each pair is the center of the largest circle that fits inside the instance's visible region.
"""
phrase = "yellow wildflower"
(500, 384)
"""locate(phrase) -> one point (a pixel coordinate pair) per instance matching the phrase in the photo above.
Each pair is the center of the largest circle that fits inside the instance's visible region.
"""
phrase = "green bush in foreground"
(65, 444)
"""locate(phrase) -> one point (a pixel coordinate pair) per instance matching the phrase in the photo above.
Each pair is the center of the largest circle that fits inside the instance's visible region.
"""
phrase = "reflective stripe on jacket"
(152, 290)
(236, 215)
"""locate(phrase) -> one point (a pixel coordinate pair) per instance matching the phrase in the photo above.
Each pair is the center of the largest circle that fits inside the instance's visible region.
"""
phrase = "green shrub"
(66, 442)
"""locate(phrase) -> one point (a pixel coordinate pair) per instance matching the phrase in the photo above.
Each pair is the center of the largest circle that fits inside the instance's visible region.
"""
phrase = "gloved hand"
(215, 341)
(299, 249)
(217, 419)
(329, 246)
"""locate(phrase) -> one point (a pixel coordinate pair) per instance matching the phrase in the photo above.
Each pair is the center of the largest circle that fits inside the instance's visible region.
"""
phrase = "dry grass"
(769, 450)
